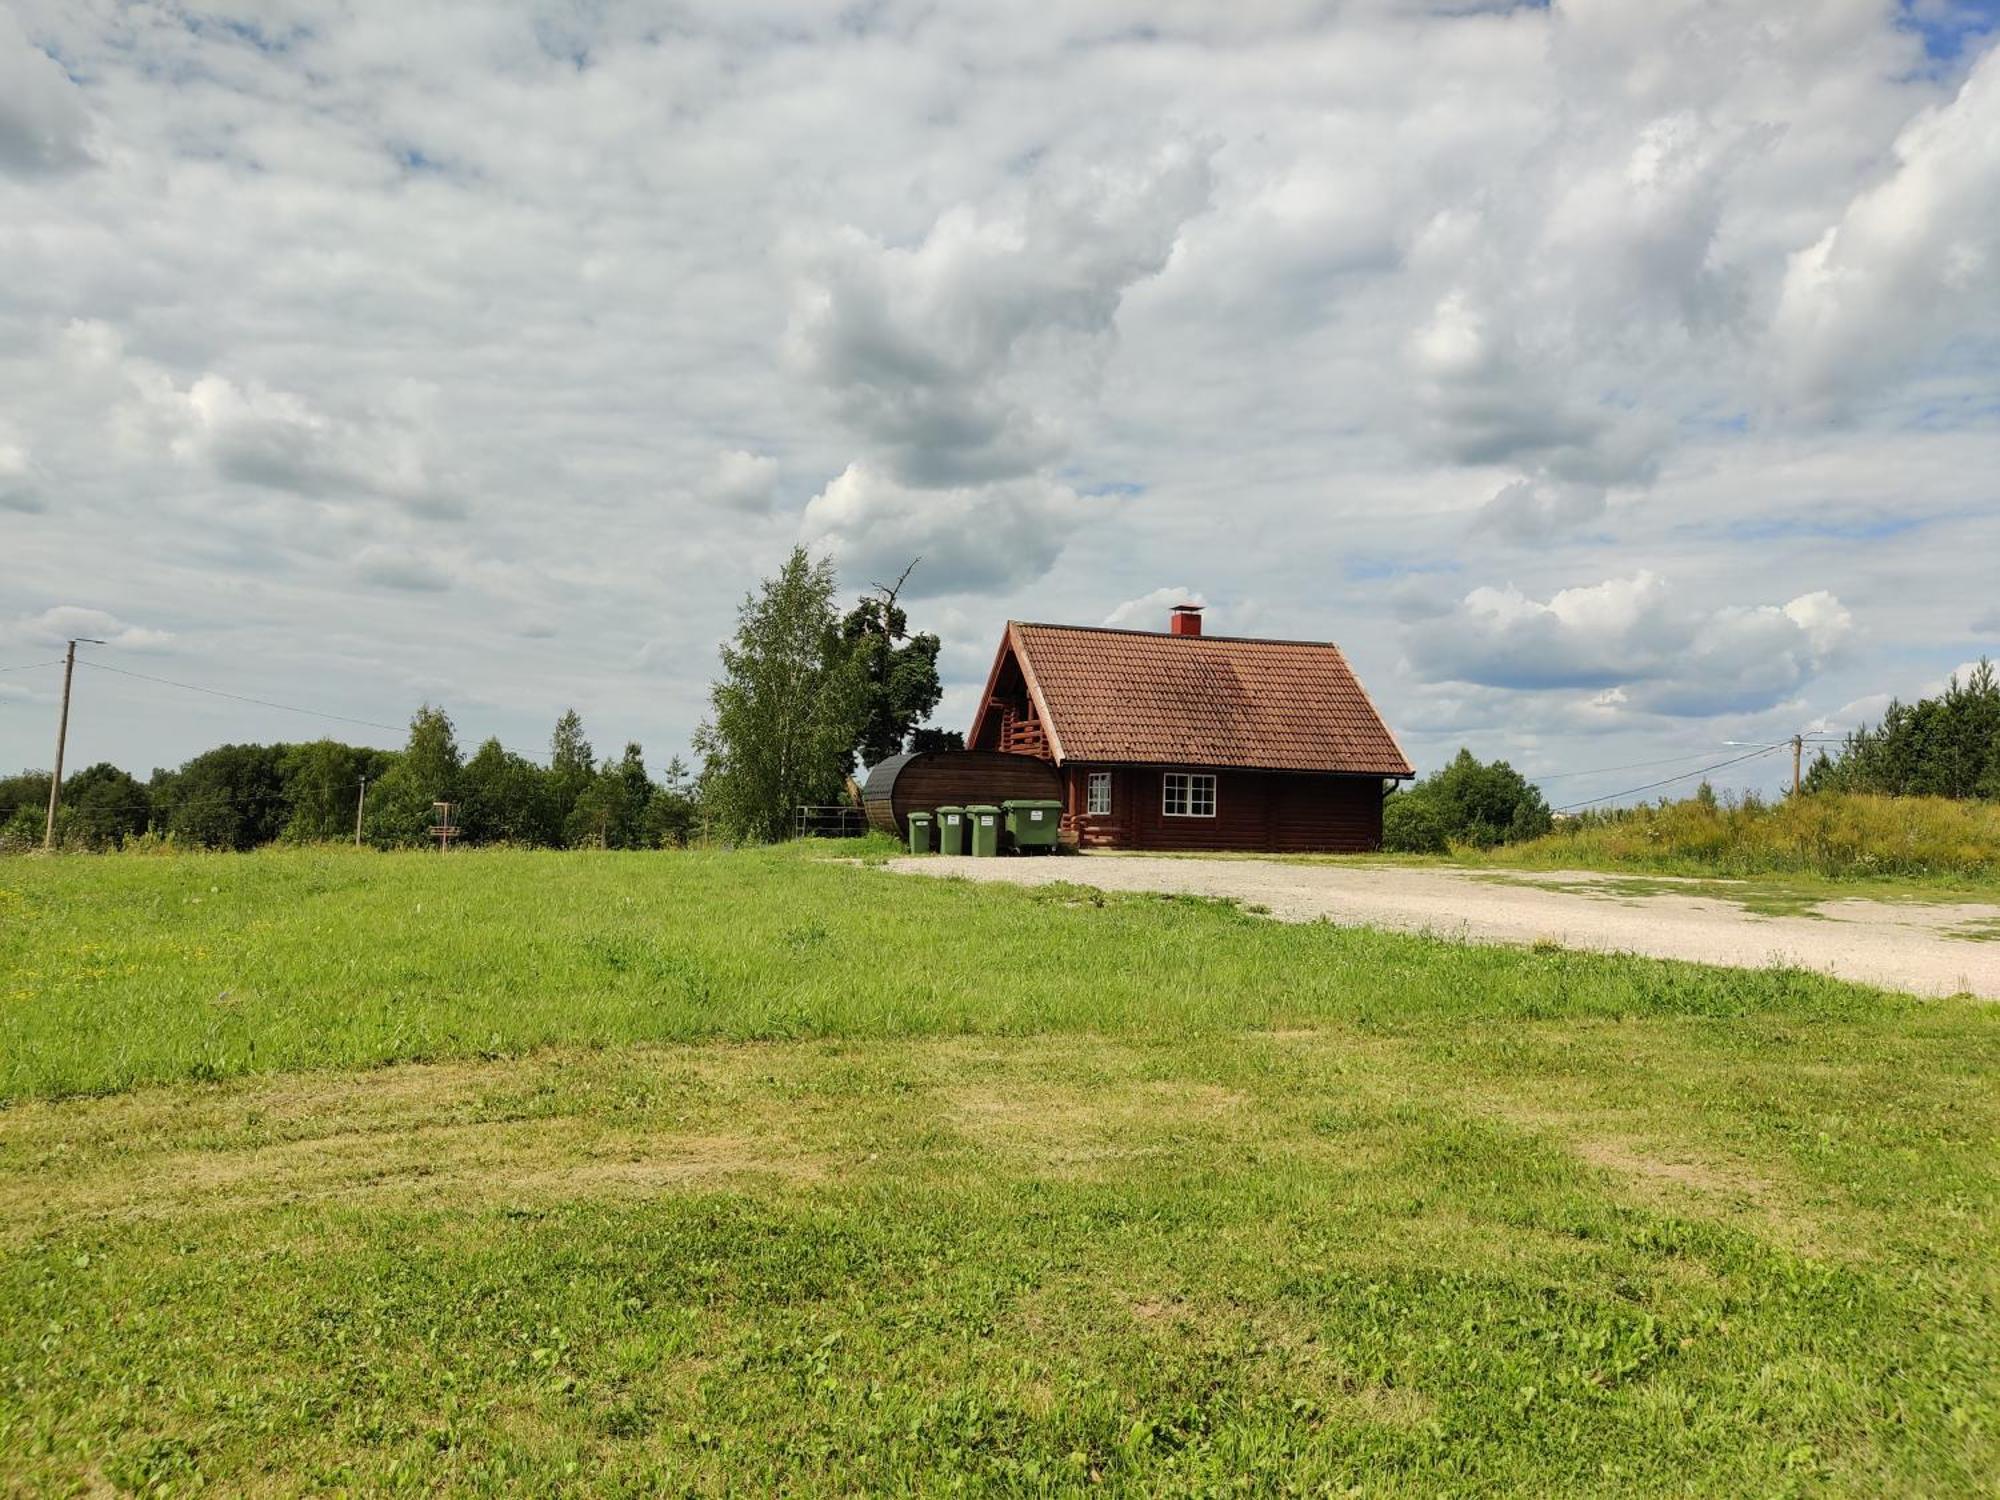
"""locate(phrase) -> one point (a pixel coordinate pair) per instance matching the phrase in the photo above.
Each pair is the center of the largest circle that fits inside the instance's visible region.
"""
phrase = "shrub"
(1467, 802)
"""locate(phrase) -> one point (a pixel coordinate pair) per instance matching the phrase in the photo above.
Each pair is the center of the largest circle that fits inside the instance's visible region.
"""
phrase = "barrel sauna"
(924, 779)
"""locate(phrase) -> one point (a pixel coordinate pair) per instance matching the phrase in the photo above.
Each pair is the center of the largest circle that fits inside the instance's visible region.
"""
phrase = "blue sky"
(1612, 380)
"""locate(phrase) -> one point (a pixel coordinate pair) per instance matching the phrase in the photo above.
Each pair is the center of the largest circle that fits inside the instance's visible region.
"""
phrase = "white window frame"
(1191, 787)
(1097, 795)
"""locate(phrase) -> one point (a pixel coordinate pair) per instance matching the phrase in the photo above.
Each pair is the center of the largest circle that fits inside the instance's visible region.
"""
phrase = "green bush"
(1467, 802)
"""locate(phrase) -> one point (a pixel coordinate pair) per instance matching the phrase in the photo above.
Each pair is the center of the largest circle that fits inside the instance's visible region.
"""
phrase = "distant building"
(1186, 741)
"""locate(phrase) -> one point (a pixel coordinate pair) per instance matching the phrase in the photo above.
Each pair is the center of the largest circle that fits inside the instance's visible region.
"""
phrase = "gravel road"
(1923, 947)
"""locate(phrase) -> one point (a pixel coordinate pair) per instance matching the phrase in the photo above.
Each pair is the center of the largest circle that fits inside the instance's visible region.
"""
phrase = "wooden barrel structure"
(924, 779)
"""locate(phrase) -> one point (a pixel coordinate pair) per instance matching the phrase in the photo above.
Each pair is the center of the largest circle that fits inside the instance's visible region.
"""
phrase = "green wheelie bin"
(982, 822)
(951, 830)
(1032, 824)
(923, 833)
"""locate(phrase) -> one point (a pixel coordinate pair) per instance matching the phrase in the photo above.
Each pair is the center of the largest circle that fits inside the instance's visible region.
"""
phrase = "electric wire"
(1637, 765)
(311, 713)
(1670, 780)
(54, 661)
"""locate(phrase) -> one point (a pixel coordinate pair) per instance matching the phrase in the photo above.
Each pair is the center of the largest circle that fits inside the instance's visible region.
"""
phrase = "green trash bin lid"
(1029, 804)
(982, 807)
(943, 810)
(920, 817)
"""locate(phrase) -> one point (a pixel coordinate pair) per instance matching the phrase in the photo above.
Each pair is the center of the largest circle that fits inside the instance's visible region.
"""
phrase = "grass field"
(733, 1173)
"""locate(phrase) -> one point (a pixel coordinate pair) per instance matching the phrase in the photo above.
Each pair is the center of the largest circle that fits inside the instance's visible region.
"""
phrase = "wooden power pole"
(360, 802)
(1798, 748)
(62, 740)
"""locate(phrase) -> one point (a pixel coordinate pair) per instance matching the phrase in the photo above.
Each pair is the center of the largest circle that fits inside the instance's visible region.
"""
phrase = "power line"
(1669, 781)
(192, 687)
(311, 713)
(54, 661)
(1637, 765)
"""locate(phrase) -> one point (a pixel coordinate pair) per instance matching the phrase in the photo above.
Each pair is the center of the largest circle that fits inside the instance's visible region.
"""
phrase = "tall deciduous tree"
(571, 765)
(106, 806)
(506, 798)
(785, 714)
(322, 780)
(428, 771)
(897, 672)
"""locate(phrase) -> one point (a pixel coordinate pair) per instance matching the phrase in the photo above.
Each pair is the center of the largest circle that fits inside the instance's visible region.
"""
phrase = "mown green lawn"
(753, 1172)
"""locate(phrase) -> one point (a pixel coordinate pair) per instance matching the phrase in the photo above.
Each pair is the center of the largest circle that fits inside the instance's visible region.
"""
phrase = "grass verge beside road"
(759, 1171)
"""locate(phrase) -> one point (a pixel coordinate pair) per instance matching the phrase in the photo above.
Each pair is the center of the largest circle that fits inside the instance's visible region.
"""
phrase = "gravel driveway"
(1923, 947)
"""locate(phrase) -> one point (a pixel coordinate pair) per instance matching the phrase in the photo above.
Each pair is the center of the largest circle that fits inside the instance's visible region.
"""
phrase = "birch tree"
(784, 715)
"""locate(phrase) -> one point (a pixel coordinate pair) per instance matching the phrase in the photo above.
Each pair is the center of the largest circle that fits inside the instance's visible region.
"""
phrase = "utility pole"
(359, 803)
(62, 740)
(1798, 748)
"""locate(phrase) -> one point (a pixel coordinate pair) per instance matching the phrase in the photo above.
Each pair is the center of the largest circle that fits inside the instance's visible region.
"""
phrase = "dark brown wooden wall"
(1268, 812)
(943, 778)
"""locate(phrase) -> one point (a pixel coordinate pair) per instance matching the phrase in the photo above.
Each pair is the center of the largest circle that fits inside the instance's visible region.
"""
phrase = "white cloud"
(1150, 610)
(741, 481)
(1912, 259)
(971, 538)
(62, 623)
(1528, 510)
(957, 359)
(1632, 643)
(43, 122)
(256, 435)
(18, 491)
(1329, 310)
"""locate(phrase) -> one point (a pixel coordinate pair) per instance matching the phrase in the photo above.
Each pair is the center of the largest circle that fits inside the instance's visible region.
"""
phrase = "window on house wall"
(1185, 794)
(1098, 804)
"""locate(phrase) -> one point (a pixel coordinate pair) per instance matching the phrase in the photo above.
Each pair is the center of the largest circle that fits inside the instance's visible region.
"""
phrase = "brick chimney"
(1185, 620)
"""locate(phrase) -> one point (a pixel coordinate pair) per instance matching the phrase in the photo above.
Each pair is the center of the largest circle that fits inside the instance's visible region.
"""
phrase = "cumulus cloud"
(1487, 400)
(1633, 637)
(971, 537)
(278, 440)
(255, 435)
(960, 273)
(1912, 259)
(1149, 611)
(1530, 510)
(956, 359)
(43, 122)
(66, 622)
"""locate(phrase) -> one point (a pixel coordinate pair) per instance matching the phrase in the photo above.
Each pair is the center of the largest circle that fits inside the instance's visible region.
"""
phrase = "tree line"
(243, 796)
(806, 693)
(1942, 746)
(1946, 746)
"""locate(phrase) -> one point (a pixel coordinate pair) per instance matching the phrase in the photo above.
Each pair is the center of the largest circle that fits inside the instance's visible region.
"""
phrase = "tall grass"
(1836, 835)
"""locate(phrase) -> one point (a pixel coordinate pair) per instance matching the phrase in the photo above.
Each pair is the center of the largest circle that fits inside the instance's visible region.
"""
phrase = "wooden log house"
(1186, 741)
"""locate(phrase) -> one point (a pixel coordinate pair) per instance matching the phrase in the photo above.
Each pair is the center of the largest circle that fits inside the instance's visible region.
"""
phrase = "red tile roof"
(1138, 696)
